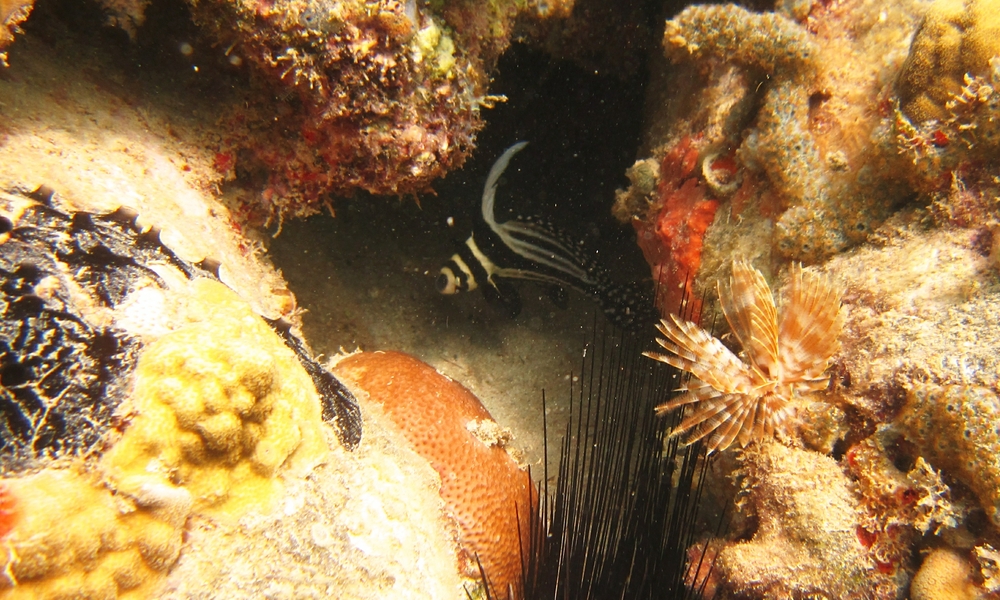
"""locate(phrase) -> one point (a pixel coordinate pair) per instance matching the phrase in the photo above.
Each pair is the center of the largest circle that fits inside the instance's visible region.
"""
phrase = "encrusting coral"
(387, 94)
(73, 538)
(220, 406)
(789, 132)
(485, 490)
(955, 429)
(948, 117)
(956, 38)
(733, 400)
(12, 14)
(945, 574)
(805, 539)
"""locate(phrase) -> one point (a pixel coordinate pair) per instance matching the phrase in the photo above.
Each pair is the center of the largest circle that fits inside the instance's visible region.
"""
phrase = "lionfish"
(531, 248)
(749, 399)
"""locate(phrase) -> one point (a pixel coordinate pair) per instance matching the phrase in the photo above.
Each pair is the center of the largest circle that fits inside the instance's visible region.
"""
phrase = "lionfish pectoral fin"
(503, 293)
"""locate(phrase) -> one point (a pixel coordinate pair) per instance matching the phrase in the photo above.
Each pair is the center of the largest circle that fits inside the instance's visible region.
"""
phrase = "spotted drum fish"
(532, 249)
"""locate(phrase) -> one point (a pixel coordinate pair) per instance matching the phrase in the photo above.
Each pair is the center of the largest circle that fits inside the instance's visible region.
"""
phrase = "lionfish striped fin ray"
(749, 308)
(810, 320)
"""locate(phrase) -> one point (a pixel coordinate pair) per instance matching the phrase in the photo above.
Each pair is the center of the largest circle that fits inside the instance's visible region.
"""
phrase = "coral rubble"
(485, 490)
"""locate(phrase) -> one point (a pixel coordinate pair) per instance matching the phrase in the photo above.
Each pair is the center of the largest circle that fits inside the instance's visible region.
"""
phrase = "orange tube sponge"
(482, 486)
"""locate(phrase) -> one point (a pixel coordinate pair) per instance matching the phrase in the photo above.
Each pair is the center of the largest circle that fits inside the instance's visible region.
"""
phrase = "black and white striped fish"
(531, 249)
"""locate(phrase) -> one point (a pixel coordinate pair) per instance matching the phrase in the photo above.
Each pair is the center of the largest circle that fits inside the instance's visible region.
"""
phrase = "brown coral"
(735, 400)
(955, 429)
(956, 38)
(12, 14)
(806, 543)
(488, 494)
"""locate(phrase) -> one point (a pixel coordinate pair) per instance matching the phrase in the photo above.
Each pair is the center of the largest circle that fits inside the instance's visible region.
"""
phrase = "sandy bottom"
(366, 278)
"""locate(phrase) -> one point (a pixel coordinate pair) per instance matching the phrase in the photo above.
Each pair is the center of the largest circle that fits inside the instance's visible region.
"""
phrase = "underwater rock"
(956, 38)
(897, 507)
(791, 132)
(83, 294)
(484, 489)
(387, 95)
(805, 540)
(948, 116)
(12, 14)
(922, 306)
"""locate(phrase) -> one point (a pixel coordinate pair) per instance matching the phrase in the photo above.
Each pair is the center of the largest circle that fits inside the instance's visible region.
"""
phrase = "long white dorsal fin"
(490, 191)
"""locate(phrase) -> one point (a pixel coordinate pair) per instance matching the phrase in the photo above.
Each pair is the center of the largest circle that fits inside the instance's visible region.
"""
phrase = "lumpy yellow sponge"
(74, 539)
(220, 406)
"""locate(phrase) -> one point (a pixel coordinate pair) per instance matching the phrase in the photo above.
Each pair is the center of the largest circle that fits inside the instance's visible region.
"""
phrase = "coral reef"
(957, 38)
(793, 132)
(944, 574)
(805, 539)
(672, 228)
(367, 524)
(920, 306)
(955, 429)
(12, 14)
(484, 489)
(383, 97)
(99, 144)
(948, 109)
(104, 546)
(897, 507)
